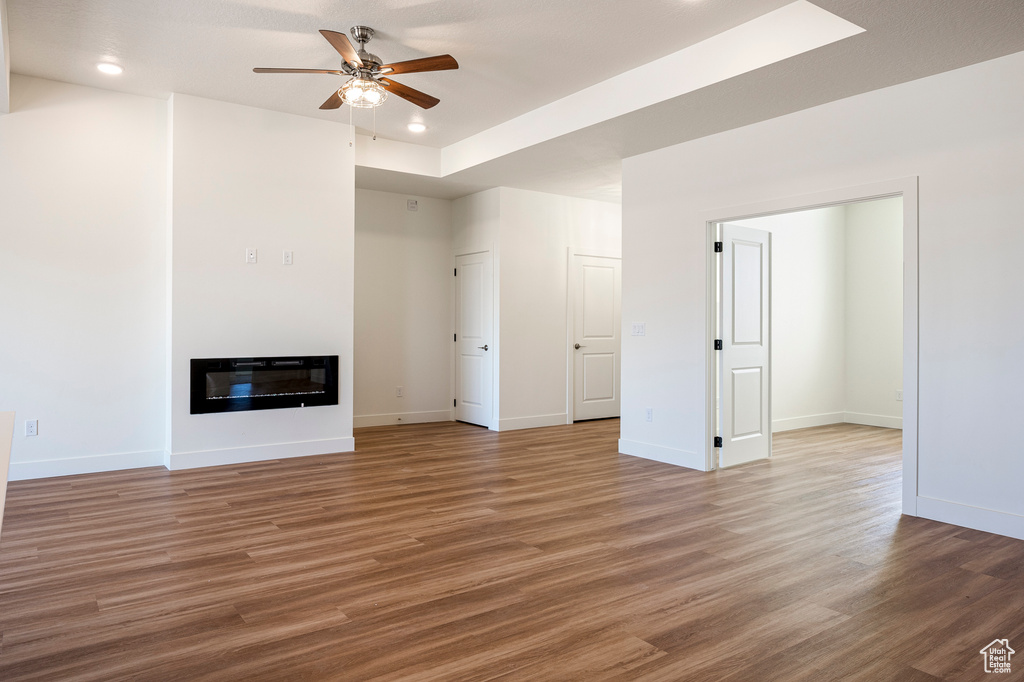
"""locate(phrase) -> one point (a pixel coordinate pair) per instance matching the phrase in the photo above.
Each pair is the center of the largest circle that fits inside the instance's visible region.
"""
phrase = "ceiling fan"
(370, 80)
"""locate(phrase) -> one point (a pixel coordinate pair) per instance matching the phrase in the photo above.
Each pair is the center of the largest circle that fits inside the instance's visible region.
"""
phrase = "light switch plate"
(250, 256)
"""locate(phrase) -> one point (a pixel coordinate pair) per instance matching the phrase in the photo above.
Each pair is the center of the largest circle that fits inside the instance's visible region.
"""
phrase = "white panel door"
(474, 344)
(745, 382)
(597, 343)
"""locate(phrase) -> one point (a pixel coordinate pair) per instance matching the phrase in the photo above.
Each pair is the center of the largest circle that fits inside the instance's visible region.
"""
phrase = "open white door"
(474, 345)
(597, 343)
(745, 380)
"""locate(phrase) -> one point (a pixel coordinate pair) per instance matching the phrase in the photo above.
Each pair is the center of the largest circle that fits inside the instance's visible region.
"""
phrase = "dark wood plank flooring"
(448, 552)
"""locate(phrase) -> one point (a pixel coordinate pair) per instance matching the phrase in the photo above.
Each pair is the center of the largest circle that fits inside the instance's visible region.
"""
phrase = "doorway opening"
(841, 320)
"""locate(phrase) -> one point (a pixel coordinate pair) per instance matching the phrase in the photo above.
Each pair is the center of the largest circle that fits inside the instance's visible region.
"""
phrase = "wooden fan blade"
(441, 62)
(333, 102)
(343, 45)
(262, 70)
(420, 99)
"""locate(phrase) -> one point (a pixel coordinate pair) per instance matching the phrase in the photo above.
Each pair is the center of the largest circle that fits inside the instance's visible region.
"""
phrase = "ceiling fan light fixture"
(417, 127)
(362, 93)
(110, 68)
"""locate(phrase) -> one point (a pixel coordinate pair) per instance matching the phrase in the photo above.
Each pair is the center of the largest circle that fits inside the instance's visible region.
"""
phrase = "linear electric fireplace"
(238, 384)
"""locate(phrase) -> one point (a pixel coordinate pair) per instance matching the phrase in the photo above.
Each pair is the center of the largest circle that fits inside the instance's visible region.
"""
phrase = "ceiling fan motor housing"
(362, 35)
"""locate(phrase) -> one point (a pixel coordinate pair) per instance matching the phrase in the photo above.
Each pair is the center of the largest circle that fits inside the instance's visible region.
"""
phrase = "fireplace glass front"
(238, 384)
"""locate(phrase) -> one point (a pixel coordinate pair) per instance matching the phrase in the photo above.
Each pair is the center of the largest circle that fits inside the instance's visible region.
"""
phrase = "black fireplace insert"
(238, 384)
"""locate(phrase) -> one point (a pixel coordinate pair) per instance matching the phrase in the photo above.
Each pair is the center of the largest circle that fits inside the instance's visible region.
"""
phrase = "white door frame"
(453, 297)
(570, 318)
(907, 188)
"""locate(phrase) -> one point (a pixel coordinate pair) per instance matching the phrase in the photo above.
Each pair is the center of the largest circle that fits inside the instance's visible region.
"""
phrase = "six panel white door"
(474, 345)
(745, 381)
(597, 321)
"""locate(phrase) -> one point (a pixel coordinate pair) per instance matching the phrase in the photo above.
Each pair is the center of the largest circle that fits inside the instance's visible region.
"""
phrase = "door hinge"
(453, 402)
(455, 272)
(718, 441)
(718, 344)
(718, 247)
(455, 337)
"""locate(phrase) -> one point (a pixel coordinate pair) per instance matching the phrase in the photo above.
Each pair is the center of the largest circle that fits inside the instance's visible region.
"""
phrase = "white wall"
(874, 312)
(808, 372)
(403, 309)
(959, 133)
(245, 177)
(82, 227)
(530, 235)
(476, 221)
(837, 314)
(537, 231)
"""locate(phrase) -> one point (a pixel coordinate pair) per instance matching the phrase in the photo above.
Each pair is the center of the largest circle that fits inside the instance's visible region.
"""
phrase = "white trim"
(535, 422)
(713, 324)
(807, 421)
(978, 518)
(90, 464)
(660, 453)
(906, 187)
(570, 333)
(879, 420)
(257, 453)
(359, 421)
(827, 418)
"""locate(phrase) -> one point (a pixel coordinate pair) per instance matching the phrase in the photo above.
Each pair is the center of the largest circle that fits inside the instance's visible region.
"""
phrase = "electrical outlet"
(31, 427)
(398, 391)
(899, 395)
(250, 256)
(286, 258)
(650, 414)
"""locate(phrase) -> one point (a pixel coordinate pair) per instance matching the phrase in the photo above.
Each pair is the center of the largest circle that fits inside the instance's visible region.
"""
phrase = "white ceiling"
(515, 56)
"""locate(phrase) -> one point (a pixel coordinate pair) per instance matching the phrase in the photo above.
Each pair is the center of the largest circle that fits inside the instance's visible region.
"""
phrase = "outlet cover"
(899, 395)
(31, 427)
(650, 414)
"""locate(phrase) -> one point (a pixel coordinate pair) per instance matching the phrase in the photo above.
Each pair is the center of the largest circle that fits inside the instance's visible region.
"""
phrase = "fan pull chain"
(374, 122)
(351, 129)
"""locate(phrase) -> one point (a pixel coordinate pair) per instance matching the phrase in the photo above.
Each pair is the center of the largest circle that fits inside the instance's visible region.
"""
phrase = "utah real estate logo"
(997, 656)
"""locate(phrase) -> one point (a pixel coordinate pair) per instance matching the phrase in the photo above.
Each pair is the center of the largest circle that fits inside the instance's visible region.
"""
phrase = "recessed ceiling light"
(417, 127)
(110, 69)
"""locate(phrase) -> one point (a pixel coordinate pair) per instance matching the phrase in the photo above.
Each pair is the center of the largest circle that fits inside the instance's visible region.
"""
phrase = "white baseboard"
(991, 521)
(92, 464)
(660, 453)
(873, 420)
(401, 418)
(808, 421)
(257, 453)
(536, 422)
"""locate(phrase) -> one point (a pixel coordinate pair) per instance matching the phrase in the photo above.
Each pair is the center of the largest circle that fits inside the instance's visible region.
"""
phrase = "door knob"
(483, 347)
(578, 346)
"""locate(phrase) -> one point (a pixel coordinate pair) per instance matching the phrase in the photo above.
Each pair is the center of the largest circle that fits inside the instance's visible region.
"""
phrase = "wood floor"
(448, 552)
